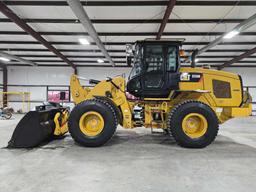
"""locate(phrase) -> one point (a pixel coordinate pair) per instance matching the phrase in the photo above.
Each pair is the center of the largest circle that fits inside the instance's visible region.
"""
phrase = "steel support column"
(5, 82)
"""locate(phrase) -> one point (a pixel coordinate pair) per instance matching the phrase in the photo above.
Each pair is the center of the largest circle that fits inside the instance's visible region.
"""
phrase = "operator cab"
(156, 69)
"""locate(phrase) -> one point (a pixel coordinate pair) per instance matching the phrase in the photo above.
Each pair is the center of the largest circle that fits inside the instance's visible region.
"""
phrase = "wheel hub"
(91, 123)
(194, 125)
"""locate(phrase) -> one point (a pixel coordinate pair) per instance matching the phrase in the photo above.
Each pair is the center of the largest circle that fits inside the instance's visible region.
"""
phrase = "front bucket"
(34, 129)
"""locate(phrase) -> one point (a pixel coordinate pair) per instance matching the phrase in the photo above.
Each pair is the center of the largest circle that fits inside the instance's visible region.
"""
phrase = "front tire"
(193, 124)
(92, 123)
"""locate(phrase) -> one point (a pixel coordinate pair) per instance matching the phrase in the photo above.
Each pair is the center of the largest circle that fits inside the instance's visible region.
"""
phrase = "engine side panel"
(224, 88)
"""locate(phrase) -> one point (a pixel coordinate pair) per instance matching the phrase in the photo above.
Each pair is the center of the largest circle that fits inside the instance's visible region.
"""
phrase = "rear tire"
(201, 132)
(99, 111)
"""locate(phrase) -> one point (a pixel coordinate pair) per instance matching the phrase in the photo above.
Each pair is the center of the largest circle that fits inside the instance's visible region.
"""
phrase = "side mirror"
(129, 50)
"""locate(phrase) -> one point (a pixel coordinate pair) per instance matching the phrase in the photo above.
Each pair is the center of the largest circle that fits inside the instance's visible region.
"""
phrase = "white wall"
(52, 76)
(248, 75)
(102, 73)
(59, 75)
(39, 75)
(35, 76)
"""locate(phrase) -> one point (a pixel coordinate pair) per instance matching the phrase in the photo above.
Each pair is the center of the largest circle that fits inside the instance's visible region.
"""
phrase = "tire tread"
(172, 131)
(106, 104)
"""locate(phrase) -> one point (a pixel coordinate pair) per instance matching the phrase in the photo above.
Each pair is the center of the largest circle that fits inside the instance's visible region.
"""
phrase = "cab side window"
(172, 59)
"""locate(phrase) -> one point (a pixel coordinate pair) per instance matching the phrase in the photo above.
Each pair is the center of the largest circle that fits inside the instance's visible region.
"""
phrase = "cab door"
(154, 70)
(172, 68)
(160, 70)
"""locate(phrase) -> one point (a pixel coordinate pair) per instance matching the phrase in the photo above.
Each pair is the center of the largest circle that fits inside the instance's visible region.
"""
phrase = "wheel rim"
(194, 125)
(91, 123)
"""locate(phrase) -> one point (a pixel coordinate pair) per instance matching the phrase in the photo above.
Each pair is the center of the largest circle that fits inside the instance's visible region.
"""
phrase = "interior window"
(154, 58)
(154, 66)
(172, 59)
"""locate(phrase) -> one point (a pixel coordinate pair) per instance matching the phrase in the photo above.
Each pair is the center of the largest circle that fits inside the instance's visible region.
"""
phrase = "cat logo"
(185, 77)
(190, 77)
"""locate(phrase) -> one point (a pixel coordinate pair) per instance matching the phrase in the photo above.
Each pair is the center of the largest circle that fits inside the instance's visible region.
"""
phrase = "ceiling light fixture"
(231, 34)
(100, 61)
(84, 41)
(4, 59)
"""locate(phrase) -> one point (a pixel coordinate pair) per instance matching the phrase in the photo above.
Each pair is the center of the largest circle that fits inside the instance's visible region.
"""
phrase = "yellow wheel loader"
(187, 103)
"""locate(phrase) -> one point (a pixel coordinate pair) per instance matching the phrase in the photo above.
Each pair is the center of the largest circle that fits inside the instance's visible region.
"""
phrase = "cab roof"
(161, 41)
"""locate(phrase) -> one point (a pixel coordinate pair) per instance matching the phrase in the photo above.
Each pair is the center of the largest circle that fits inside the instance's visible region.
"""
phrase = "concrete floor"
(134, 161)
